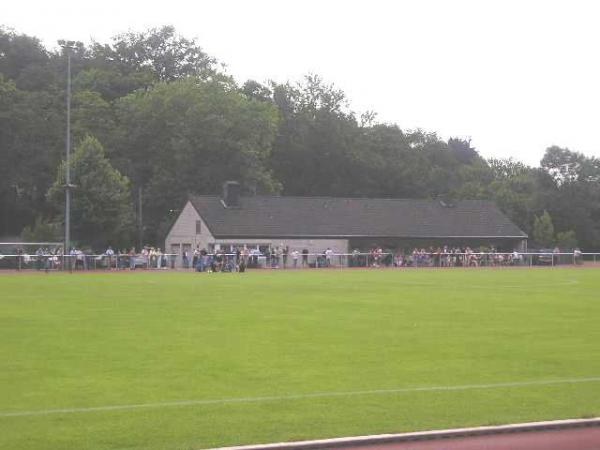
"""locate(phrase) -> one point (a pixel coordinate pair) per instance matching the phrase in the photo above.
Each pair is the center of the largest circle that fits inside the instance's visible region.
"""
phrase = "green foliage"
(164, 53)
(189, 136)
(543, 230)
(31, 133)
(566, 240)
(174, 125)
(23, 59)
(43, 230)
(92, 115)
(101, 211)
(567, 166)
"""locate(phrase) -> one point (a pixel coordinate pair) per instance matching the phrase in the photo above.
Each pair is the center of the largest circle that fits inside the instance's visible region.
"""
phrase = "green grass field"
(262, 343)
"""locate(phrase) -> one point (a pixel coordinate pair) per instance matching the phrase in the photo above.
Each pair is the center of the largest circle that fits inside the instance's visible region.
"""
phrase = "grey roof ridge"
(330, 197)
(403, 200)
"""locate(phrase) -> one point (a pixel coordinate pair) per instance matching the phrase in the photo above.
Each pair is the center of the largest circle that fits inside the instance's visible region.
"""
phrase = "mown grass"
(79, 341)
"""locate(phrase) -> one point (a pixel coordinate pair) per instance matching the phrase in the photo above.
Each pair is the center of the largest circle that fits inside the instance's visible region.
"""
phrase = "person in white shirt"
(295, 256)
(109, 253)
(328, 255)
(158, 258)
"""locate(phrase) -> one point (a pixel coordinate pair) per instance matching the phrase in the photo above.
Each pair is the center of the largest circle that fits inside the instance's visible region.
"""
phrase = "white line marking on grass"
(223, 401)
(523, 286)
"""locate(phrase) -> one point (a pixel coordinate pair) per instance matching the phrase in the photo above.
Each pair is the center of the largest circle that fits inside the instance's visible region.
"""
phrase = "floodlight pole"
(140, 221)
(68, 186)
(68, 159)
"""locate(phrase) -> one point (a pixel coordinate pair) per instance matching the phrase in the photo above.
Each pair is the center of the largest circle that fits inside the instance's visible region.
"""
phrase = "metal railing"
(231, 261)
(85, 262)
(388, 259)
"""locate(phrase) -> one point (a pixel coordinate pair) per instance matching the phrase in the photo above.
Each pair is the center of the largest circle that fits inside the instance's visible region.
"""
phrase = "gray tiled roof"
(263, 216)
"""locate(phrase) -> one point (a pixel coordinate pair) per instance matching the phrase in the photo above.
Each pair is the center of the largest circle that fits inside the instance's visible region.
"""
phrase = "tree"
(317, 138)
(43, 230)
(31, 140)
(571, 193)
(24, 60)
(566, 240)
(101, 208)
(253, 89)
(92, 115)
(189, 136)
(163, 52)
(567, 166)
(543, 230)
(507, 168)
(462, 150)
(174, 125)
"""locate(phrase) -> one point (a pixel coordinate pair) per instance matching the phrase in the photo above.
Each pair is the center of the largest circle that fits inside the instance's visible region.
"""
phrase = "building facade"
(340, 224)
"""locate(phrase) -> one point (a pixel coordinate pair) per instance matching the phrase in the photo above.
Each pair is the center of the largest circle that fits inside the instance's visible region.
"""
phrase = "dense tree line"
(153, 113)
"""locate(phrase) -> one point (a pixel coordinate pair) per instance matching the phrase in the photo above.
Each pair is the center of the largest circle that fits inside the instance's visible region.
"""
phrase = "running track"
(568, 439)
(577, 434)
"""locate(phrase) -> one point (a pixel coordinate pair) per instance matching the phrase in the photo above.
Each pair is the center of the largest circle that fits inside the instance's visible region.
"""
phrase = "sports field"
(184, 361)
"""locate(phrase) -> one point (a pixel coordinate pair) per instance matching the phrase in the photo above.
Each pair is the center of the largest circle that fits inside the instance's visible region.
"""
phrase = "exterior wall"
(522, 247)
(314, 246)
(406, 245)
(183, 233)
(183, 236)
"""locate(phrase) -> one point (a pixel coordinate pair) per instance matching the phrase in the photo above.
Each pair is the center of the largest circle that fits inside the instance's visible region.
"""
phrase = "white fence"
(231, 261)
(399, 260)
(83, 261)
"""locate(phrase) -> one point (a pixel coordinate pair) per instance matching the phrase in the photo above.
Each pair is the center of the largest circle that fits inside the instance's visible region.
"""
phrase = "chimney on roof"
(231, 194)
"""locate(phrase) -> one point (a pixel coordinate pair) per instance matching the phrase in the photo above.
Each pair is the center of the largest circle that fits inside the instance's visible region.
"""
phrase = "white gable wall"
(183, 233)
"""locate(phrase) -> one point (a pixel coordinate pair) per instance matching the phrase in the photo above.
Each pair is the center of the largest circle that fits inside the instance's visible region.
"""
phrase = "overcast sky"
(514, 76)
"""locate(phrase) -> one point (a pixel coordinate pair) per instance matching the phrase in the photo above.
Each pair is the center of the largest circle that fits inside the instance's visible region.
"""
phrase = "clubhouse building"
(223, 222)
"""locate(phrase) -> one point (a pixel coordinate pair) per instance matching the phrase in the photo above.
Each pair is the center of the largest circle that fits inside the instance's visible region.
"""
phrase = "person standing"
(304, 257)
(132, 258)
(328, 255)
(19, 258)
(39, 256)
(195, 258)
(109, 253)
(577, 256)
(158, 258)
(186, 260)
(286, 251)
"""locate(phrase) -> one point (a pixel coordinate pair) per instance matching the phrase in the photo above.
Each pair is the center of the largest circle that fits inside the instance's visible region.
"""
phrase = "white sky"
(515, 76)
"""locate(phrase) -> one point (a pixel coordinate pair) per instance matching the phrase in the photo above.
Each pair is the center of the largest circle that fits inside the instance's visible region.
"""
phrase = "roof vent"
(231, 194)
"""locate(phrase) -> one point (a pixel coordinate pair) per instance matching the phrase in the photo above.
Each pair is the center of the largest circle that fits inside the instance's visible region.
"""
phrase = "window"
(198, 226)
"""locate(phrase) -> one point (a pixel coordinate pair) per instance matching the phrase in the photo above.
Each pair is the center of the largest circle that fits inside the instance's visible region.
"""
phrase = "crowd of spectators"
(276, 257)
(241, 257)
(238, 258)
(219, 261)
(46, 258)
(448, 256)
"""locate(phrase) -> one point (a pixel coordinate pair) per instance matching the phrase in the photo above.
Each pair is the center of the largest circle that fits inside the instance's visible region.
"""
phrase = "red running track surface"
(567, 439)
